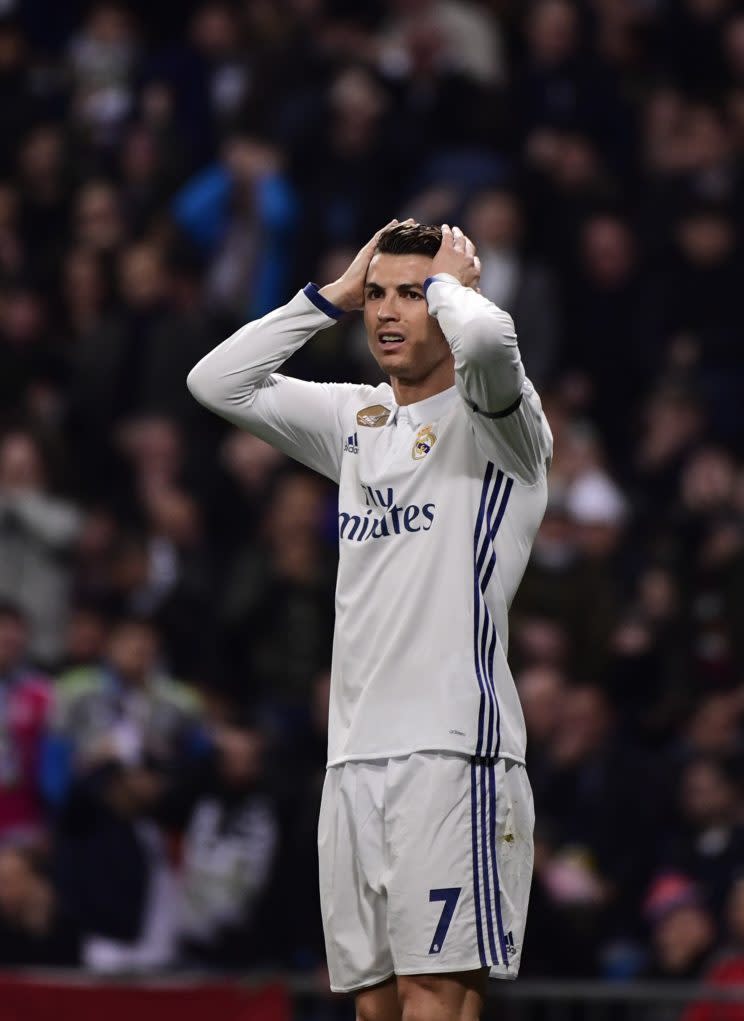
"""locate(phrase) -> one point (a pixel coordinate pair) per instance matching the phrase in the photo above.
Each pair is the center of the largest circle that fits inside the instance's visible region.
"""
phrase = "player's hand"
(457, 257)
(348, 291)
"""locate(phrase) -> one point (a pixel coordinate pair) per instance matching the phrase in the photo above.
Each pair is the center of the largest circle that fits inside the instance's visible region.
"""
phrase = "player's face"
(405, 340)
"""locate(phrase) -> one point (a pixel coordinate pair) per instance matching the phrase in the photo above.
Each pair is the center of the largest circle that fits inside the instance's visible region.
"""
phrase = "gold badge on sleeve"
(425, 440)
(373, 417)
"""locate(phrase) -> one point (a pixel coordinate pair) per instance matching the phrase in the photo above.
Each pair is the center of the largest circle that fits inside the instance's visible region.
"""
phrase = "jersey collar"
(422, 412)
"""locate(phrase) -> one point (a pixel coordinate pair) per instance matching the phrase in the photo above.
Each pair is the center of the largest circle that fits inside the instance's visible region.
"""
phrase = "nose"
(387, 310)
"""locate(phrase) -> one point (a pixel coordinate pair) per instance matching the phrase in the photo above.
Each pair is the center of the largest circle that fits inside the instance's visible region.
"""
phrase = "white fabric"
(227, 858)
(156, 945)
(594, 499)
(499, 277)
(438, 509)
(400, 840)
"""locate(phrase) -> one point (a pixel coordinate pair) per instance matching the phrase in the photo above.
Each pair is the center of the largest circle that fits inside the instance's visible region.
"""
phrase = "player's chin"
(391, 360)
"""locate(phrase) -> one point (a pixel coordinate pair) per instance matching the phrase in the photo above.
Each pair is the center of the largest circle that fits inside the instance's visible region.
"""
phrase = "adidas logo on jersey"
(352, 444)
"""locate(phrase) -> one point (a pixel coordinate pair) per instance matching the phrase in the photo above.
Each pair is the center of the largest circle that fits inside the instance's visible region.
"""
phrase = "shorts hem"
(358, 987)
(466, 753)
(500, 973)
(448, 969)
(495, 971)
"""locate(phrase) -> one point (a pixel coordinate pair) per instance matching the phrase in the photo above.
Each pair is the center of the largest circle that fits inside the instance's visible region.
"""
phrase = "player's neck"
(409, 392)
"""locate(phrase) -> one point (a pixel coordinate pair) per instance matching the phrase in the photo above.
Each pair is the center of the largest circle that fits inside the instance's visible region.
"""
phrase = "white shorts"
(425, 867)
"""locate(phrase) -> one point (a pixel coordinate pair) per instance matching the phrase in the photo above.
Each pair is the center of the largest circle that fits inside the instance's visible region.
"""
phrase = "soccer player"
(425, 833)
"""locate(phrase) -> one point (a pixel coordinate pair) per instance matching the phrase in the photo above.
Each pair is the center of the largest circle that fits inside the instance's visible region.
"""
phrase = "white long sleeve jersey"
(439, 503)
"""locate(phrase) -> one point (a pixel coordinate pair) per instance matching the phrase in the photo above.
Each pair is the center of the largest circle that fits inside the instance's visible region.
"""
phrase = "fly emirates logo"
(384, 517)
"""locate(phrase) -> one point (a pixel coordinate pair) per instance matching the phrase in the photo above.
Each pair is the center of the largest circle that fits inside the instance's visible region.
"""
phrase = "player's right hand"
(348, 291)
(457, 257)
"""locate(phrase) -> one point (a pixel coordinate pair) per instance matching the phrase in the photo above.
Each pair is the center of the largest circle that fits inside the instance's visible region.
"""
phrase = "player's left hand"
(347, 292)
(457, 257)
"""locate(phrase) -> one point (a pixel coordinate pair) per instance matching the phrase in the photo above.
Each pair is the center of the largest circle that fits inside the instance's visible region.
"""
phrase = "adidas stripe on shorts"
(425, 866)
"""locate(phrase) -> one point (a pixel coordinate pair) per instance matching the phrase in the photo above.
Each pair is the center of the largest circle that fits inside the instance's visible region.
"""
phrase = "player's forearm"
(483, 342)
(227, 378)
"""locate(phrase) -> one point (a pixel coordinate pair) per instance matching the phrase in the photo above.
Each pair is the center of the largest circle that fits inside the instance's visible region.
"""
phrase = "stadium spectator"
(275, 612)
(83, 293)
(98, 223)
(231, 871)
(111, 870)
(240, 212)
(37, 534)
(111, 362)
(26, 700)
(42, 169)
(237, 503)
(494, 221)
(307, 754)
(87, 634)
(682, 928)
(606, 295)
(588, 801)
(343, 163)
(34, 927)
(470, 41)
(123, 710)
(709, 844)
(562, 87)
(102, 60)
(33, 370)
(713, 728)
(727, 968)
(542, 688)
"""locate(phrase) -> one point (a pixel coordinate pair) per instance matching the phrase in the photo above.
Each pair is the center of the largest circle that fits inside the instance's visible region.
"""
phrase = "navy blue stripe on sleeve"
(313, 293)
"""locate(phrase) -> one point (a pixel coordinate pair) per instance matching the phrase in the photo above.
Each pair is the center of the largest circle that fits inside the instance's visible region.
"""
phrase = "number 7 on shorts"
(449, 895)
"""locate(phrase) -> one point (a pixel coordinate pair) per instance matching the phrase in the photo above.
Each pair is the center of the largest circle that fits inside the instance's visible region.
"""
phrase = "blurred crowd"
(168, 171)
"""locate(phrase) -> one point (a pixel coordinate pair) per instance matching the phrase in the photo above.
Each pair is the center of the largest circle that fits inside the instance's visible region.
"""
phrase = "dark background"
(169, 170)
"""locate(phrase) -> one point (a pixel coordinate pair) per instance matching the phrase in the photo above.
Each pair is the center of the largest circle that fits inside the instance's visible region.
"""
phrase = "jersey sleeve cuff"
(312, 292)
(440, 278)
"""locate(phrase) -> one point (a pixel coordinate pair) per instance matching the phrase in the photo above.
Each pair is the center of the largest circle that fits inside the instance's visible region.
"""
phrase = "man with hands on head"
(425, 831)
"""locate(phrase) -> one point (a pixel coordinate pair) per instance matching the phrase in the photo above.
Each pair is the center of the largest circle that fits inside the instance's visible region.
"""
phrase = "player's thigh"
(432, 907)
(353, 906)
(379, 1003)
(460, 847)
(510, 797)
(458, 997)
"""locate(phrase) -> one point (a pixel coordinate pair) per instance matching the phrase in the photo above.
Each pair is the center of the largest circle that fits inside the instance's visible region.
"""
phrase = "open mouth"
(390, 339)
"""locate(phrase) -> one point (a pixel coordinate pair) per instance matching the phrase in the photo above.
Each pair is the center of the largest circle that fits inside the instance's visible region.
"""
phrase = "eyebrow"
(398, 287)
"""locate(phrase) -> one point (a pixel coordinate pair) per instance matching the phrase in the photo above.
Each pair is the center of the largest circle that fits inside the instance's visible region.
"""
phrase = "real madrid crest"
(425, 440)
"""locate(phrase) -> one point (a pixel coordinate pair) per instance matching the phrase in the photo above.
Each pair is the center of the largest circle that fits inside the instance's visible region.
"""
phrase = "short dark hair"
(411, 239)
